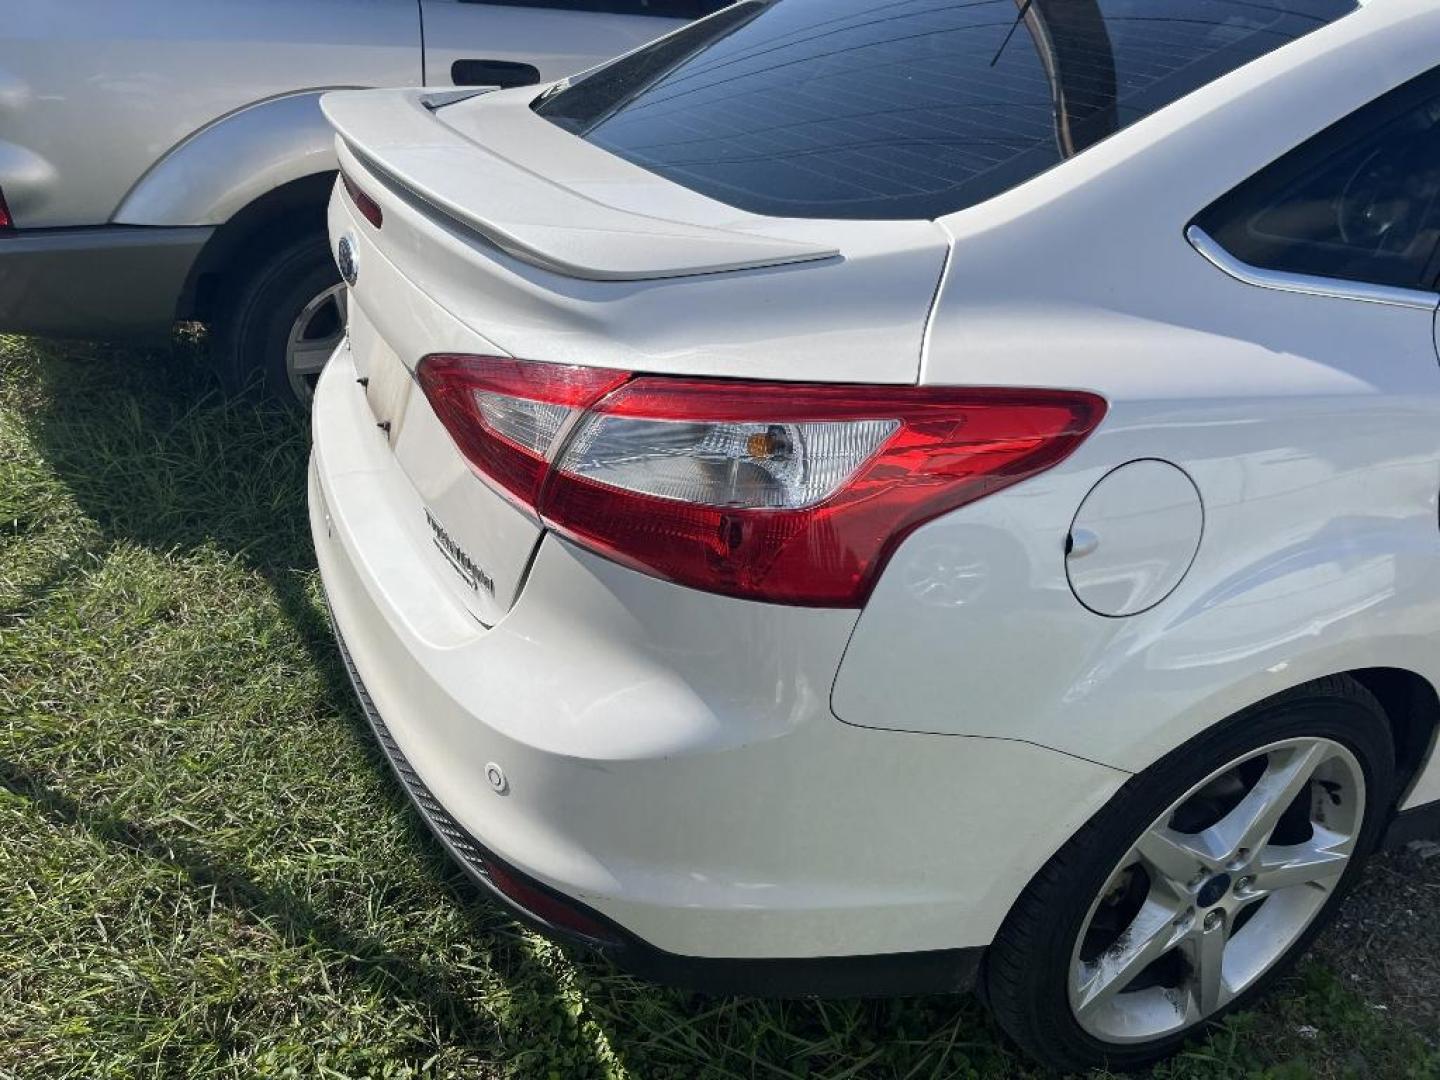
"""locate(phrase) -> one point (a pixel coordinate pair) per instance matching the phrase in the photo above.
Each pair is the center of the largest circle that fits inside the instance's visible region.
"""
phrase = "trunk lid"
(475, 541)
(554, 249)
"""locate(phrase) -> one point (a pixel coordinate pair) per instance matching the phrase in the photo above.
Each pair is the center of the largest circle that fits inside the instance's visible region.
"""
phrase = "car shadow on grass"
(157, 457)
(282, 909)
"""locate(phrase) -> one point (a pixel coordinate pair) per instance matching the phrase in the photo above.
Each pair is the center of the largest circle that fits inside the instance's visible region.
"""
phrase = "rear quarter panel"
(1310, 426)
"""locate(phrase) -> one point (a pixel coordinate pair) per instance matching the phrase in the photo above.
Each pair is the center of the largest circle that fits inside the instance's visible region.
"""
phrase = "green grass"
(206, 869)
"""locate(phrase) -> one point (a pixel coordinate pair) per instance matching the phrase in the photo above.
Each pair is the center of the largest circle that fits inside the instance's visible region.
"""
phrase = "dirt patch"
(1385, 944)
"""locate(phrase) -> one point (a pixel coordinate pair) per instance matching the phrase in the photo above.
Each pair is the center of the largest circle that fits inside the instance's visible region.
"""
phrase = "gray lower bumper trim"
(111, 281)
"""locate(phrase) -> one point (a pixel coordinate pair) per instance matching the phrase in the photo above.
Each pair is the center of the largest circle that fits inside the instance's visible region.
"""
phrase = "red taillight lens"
(6, 222)
(782, 492)
(368, 207)
(792, 493)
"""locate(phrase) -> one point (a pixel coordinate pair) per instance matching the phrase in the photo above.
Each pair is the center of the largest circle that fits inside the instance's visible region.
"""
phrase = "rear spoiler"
(505, 192)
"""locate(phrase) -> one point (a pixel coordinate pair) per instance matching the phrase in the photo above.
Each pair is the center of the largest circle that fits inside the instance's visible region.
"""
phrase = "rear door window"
(908, 108)
(1360, 201)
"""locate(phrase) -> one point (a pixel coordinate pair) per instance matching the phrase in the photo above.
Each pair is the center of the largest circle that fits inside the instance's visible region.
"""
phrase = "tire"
(1051, 962)
(285, 314)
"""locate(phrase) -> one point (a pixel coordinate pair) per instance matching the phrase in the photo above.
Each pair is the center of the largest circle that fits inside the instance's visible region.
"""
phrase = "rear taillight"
(6, 221)
(784, 492)
(368, 207)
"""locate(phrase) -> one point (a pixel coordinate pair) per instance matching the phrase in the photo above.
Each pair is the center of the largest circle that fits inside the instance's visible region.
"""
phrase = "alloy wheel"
(313, 337)
(1216, 890)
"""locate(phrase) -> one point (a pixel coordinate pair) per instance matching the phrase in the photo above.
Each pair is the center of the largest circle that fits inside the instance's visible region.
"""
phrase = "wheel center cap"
(1213, 890)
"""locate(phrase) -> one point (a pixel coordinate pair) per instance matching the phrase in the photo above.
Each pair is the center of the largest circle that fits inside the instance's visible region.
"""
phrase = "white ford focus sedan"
(865, 497)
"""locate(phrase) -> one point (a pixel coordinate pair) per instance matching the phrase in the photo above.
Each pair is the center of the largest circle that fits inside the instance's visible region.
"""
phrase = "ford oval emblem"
(347, 261)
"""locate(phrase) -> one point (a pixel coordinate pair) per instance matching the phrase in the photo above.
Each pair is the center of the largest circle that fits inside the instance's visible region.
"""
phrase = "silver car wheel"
(1217, 890)
(314, 335)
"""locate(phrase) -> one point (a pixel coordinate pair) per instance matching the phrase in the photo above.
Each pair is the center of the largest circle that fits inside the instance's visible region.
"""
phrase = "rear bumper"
(932, 972)
(671, 763)
(110, 282)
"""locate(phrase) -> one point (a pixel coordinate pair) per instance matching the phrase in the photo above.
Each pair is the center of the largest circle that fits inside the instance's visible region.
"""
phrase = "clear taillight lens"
(783, 492)
(507, 415)
(758, 466)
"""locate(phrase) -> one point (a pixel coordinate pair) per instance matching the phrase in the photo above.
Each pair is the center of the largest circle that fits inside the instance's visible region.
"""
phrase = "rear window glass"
(908, 109)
